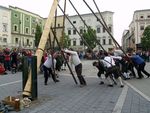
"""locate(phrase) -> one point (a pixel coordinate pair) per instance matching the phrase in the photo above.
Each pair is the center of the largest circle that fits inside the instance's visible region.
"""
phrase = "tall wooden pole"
(46, 32)
(39, 52)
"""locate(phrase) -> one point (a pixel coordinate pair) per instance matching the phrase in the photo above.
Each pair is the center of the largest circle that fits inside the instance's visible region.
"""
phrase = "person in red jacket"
(7, 59)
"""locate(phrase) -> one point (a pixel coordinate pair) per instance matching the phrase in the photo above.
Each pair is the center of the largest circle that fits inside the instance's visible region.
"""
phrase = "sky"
(123, 9)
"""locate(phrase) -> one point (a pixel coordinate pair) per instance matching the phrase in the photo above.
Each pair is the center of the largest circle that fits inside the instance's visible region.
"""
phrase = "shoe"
(110, 85)
(56, 80)
(81, 85)
(148, 76)
(122, 86)
(139, 78)
(45, 83)
(84, 83)
(101, 83)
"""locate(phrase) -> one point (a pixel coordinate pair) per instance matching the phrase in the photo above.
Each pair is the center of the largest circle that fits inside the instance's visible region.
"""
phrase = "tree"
(65, 42)
(145, 40)
(38, 34)
(89, 37)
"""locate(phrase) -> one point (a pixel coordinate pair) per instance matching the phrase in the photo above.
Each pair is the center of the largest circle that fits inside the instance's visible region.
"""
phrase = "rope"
(3, 108)
(25, 102)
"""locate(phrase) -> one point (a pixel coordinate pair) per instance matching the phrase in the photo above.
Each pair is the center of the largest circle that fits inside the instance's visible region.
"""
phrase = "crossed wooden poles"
(47, 30)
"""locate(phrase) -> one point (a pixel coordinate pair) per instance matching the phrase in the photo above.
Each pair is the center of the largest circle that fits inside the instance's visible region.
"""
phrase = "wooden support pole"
(64, 57)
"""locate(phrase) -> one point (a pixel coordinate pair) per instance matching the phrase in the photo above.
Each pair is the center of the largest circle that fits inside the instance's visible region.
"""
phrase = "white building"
(102, 36)
(141, 19)
(5, 27)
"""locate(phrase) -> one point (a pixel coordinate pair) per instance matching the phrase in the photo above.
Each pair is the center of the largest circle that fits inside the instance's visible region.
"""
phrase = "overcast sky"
(123, 9)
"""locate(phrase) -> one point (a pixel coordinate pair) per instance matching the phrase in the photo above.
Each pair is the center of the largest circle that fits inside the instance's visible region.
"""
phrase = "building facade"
(23, 27)
(102, 36)
(141, 19)
(59, 27)
(5, 27)
(125, 39)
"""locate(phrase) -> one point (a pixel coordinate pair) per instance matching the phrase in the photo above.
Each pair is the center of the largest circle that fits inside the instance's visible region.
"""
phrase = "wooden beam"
(39, 52)
(45, 33)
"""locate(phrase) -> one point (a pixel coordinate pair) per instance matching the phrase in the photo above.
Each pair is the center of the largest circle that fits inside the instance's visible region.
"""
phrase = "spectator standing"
(7, 59)
(14, 58)
(1, 56)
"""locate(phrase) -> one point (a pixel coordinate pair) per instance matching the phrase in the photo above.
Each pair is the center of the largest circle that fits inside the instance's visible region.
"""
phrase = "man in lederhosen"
(112, 68)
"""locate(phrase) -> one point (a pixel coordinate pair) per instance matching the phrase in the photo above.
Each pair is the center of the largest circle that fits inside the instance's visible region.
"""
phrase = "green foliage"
(65, 41)
(38, 34)
(145, 40)
(89, 37)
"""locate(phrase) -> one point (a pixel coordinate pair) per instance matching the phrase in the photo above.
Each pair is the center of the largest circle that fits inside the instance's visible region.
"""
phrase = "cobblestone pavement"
(67, 97)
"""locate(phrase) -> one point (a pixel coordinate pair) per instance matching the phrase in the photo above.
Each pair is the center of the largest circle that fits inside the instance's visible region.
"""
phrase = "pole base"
(26, 93)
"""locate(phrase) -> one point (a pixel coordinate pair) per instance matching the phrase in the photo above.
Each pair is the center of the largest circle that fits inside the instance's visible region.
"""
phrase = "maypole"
(39, 52)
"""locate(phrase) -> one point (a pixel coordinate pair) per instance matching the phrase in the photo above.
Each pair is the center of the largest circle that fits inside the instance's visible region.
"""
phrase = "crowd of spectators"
(11, 59)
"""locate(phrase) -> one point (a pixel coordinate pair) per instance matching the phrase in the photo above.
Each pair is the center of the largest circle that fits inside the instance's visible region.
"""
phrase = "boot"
(110, 81)
(80, 80)
(83, 80)
(121, 83)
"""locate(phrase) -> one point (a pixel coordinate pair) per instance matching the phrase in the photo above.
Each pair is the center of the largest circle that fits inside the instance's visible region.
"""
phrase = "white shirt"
(74, 57)
(109, 61)
(48, 63)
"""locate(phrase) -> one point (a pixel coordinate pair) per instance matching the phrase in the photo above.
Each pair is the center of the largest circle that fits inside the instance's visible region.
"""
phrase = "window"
(16, 15)
(81, 31)
(110, 29)
(141, 16)
(27, 41)
(141, 27)
(98, 30)
(33, 31)
(74, 22)
(74, 31)
(5, 27)
(33, 21)
(110, 42)
(103, 30)
(16, 40)
(27, 19)
(69, 32)
(148, 16)
(104, 41)
(15, 28)
(81, 43)
(69, 42)
(27, 30)
(74, 43)
(5, 40)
